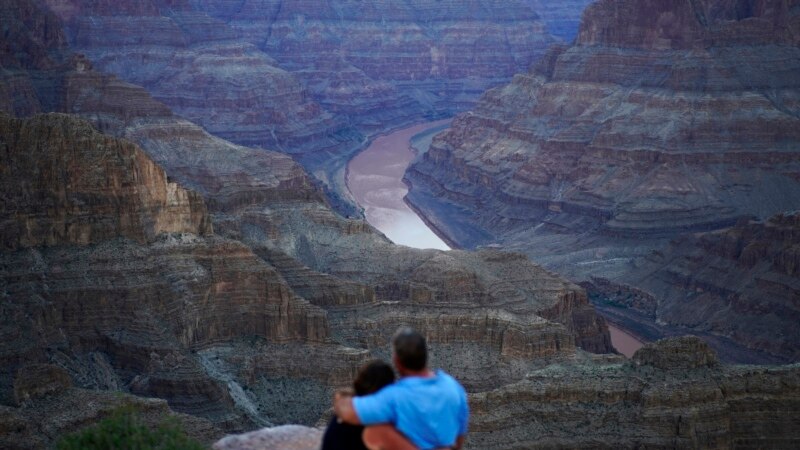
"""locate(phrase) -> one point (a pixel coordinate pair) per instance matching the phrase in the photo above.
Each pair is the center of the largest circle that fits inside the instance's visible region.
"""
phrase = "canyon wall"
(313, 79)
(388, 63)
(122, 287)
(672, 394)
(202, 70)
(740, 282)
(664, 118)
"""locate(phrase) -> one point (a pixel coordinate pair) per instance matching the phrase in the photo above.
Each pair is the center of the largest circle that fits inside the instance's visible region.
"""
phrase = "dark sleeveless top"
(343, 436)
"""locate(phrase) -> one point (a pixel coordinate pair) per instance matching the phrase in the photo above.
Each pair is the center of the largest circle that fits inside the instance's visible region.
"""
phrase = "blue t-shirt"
(431, 412)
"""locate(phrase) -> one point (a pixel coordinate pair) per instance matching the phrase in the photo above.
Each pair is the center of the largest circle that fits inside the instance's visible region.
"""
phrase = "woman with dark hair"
(371, 378)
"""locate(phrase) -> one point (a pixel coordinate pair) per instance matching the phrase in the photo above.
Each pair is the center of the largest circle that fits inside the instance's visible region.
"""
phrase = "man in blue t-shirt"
(428, 408)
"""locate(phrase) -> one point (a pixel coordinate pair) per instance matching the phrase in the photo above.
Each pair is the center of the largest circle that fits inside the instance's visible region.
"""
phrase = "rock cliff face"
(384, 63)
(91, 188)
(740, 282)
(200, 69)
(663, 118)
(216, 326)
(254, 324)
(672, 394)
(55, 79)
(122, 283)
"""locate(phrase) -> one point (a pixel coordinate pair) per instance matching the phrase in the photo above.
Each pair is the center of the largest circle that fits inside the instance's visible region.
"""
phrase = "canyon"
(151, 259)
(308, 78)
(662, 120)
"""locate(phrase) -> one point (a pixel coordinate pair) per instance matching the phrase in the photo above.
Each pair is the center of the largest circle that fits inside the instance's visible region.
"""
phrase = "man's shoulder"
(450, 381)
(447, 377)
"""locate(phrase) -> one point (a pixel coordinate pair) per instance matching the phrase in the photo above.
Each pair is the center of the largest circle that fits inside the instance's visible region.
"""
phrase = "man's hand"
(343, 407)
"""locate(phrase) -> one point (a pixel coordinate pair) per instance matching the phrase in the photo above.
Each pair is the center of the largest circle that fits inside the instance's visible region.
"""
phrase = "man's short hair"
(410, 349)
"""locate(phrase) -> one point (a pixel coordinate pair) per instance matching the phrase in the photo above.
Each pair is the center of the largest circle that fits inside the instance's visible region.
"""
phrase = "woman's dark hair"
(372, 377)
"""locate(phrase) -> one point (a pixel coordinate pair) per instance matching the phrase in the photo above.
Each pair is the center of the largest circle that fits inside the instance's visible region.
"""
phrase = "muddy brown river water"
(623, 341)
(375, 178)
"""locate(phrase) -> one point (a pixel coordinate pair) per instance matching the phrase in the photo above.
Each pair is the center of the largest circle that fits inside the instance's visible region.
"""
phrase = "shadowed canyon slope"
(663, 118)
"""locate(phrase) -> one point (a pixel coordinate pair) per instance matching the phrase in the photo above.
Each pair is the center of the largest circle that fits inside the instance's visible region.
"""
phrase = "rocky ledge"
(673, 393)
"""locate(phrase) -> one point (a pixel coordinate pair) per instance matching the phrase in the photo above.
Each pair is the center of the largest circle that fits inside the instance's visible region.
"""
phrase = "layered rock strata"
(741, 283)
(306, 78)
(47, 76)
(116, 297)
(384, 63)
(215, 329)
(122, 193)
(661, 119)
(490, 309)
(257, 323)
(672, 394)
(203, 70)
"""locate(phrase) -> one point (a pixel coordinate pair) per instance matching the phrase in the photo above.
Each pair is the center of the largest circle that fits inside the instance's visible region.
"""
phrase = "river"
(624, 342)
(375, 178)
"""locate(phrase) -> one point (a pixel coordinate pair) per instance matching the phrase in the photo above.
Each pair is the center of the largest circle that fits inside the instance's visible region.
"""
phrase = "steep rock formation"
(167, 316)
(663, 118)
(490, 309)
(672, 394)
(227, 175)
(740, 282)
(77, 178)
(121, 284)
(225, 326)
(341, 70)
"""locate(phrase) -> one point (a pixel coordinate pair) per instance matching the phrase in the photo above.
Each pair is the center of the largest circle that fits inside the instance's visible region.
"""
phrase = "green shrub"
(125, 430)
